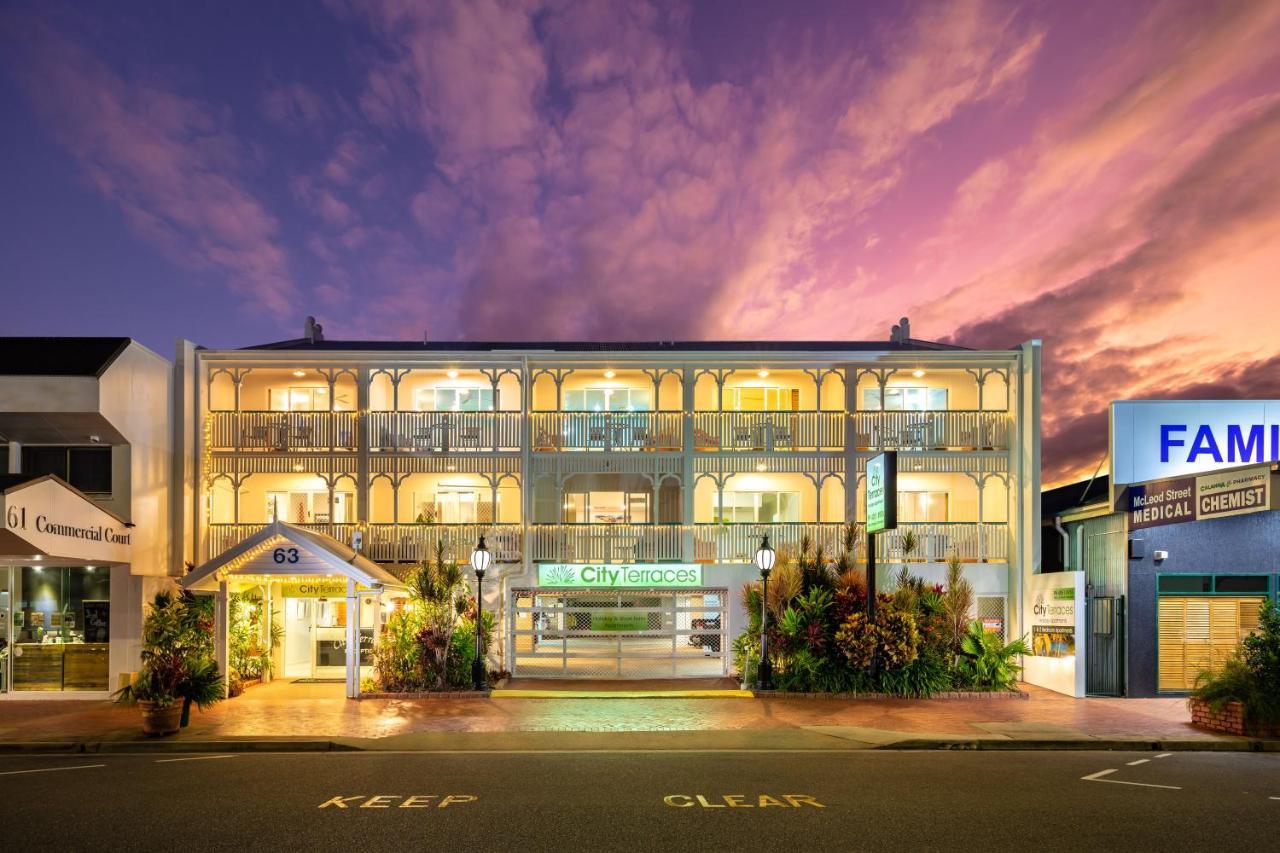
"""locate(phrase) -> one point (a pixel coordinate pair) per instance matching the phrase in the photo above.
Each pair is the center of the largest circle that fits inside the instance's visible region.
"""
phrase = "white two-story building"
(621, 487)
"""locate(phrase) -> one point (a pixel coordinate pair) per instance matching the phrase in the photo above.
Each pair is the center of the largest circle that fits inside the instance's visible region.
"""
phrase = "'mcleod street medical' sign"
(1162, 439)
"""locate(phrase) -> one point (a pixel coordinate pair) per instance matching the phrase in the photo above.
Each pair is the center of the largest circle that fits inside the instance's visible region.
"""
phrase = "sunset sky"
(1104, 176)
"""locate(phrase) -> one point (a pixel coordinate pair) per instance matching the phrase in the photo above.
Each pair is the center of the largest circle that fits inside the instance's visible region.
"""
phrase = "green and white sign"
(882, 492)
(620, 623)
(620, 575)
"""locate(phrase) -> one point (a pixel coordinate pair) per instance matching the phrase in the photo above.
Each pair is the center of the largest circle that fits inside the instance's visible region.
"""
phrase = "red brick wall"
(1230, 719)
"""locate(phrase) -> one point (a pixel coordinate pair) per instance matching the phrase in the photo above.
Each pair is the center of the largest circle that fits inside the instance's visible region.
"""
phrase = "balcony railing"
(605, 543)
(283, 431)
(737, 543)
(410, 543)
(949, 430)
(444, 432)
(397, 543)
(774, 431)
(934, 542)
(606, 430)
(629, 543)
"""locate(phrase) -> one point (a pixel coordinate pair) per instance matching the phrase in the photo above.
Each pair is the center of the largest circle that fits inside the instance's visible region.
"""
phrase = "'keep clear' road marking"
(740, 801)
(1097, 777)
(388, 801)
(51, 769)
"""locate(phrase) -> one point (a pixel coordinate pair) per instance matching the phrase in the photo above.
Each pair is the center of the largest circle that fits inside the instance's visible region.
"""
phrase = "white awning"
(285, 550)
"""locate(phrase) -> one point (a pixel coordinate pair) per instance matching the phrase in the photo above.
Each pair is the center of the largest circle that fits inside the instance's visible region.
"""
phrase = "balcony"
(622, 431)
(737, 543)
(772, 431)
(398, 543)
(934, 542)
(949, 430)
(283, 431)
(444, 432)
(605, 543)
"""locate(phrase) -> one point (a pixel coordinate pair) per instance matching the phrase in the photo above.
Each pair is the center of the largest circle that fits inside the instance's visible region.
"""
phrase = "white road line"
(1275, 798)
(191, 758)
(1097, 777)
(51, 769)
(1164, 755)
(1139, 761)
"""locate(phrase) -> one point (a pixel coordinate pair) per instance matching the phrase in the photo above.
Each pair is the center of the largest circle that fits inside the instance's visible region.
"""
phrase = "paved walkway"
(286, 710)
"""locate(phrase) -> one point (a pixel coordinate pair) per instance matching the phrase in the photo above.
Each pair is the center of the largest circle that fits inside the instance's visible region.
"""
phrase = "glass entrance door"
(298, 631)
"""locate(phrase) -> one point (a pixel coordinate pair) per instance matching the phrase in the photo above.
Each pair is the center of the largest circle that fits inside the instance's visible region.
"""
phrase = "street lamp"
(480, 559)
(764, 561)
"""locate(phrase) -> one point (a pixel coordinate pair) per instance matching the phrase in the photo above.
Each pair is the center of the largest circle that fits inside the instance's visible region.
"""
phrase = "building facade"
(1193, 487)
(86, 463)
(621, 488)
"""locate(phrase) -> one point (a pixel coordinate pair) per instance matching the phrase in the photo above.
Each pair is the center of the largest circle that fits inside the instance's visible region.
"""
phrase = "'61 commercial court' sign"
(1215, 495)
(49, 517)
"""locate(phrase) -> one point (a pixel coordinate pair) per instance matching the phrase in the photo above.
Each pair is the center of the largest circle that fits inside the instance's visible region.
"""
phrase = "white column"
(687, 441)
(15, 457)
(221, 629)
(353, 641)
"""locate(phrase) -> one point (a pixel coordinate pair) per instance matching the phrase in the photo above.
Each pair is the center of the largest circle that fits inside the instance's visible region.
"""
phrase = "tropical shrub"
(1252, 675)
(178, 663)
(249, 653)
(987, 662)
(429, 645)
(957, 601)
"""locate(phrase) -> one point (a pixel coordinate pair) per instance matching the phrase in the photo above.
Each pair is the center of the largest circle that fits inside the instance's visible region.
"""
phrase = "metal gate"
(1104, 647)
(619, 633)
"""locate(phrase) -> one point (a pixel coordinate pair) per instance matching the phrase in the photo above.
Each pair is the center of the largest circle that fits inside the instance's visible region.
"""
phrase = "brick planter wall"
(1229, 720)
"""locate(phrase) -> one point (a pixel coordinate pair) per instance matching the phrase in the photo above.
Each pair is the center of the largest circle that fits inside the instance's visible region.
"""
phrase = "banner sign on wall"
(1162, 439)
(620, 575)
(1185, 499)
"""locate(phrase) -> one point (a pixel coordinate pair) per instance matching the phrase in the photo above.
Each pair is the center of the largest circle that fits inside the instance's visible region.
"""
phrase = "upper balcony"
(613, 431)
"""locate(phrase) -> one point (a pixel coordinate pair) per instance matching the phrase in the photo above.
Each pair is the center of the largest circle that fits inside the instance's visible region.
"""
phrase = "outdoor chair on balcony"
(469, 437)
(258, 436)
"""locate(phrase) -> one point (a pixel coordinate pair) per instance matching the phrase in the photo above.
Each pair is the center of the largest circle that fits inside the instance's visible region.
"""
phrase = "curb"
(1085, 745)
(152, 747)
(161, 746)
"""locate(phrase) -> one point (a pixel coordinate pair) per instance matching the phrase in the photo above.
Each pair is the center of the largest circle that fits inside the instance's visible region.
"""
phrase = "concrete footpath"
(288, 717)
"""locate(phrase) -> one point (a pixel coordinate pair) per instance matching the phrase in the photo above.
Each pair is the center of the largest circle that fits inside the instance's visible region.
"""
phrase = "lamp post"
(764, 561)
(480, 559)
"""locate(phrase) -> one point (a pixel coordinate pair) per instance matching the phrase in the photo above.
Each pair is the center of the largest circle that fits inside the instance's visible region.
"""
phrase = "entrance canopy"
(45, 519)
(282, 551)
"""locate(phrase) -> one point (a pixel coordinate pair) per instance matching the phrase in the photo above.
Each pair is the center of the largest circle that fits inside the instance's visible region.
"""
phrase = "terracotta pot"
(157, 720)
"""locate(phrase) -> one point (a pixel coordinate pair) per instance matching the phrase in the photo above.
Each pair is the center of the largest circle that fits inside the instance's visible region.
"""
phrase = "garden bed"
(430, 694)
(1229, 719)
(949, 694)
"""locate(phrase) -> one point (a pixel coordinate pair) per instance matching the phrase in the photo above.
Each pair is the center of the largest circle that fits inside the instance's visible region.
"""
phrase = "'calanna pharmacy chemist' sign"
(1199, 498)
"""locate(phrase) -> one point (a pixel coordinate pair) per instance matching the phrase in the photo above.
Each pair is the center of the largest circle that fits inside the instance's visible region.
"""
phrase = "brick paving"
(284, 709)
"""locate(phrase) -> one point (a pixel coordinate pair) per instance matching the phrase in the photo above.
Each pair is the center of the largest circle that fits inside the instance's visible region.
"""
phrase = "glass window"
(310, 507)
(919, 507)
(90, 469)
(45, 460)
(759, 507)
(61, 626)
(300, 399)
(900, 399)
(1241, 583)
(606, 508)
(86, 468)
(608, 400)
(454, 399)
(1185, 583)
(756, 398)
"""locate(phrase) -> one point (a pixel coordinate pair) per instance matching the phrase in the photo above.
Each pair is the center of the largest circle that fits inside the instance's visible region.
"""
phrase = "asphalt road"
(638, 801)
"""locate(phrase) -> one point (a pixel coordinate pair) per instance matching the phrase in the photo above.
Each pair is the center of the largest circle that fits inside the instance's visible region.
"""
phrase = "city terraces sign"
(620, 575)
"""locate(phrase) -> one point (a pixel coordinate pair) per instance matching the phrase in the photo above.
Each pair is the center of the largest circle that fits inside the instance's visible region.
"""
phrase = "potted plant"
(178, 666)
